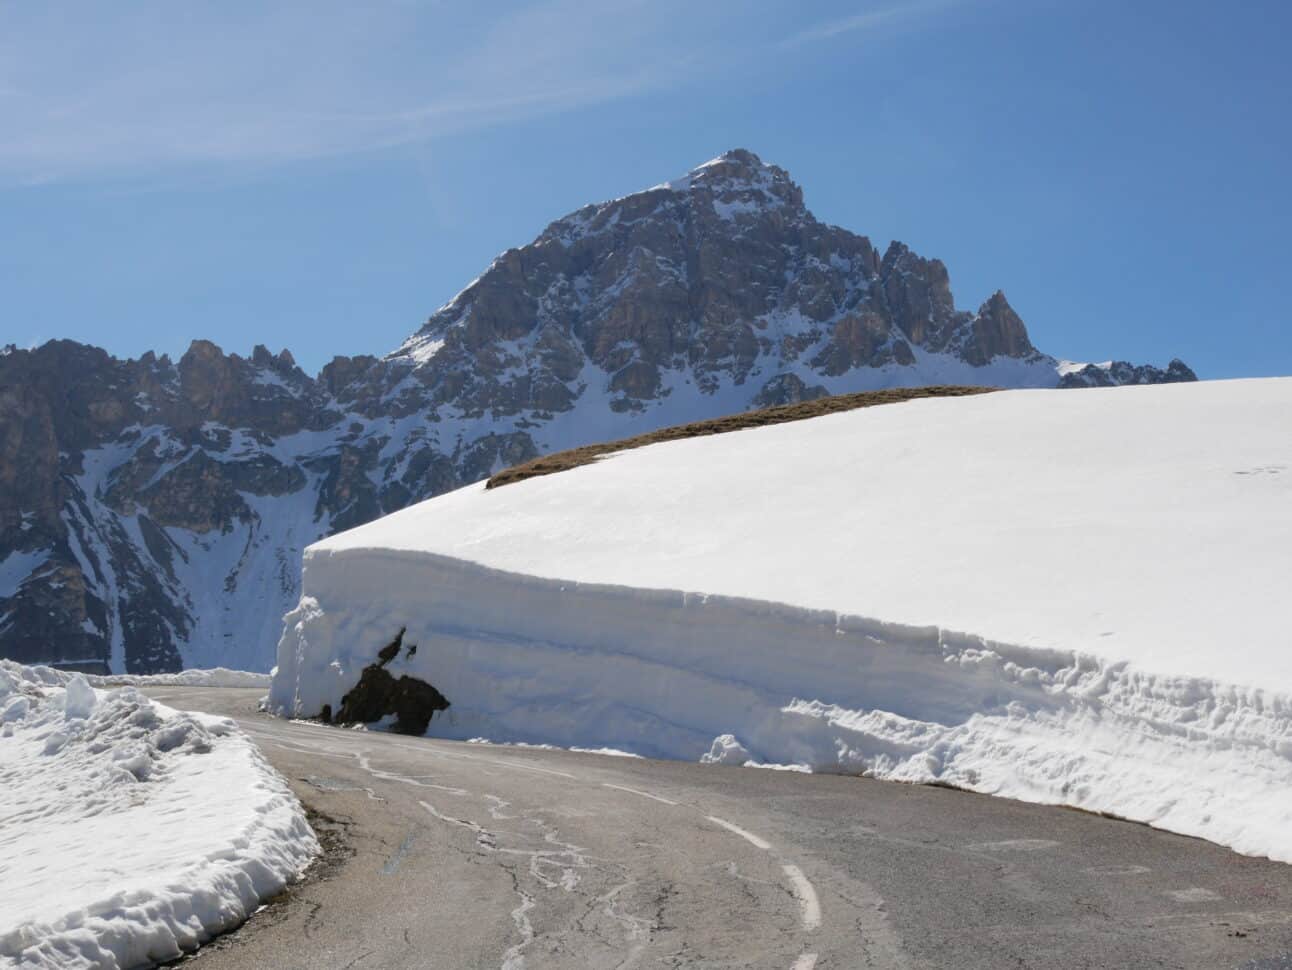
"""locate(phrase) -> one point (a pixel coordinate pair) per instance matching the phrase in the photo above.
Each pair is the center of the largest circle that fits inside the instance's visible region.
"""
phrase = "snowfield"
(215, 677)
(1074, 597)
(129, 832)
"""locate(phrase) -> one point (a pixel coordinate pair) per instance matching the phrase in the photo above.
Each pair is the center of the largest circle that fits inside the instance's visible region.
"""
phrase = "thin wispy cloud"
(872, 19)
(154, 87)
(147, 86)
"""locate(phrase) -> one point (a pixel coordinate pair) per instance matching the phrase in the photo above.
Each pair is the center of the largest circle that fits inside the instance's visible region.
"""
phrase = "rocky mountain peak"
(740, 178)
(283, 362)
(736, 184)
(153, 513)
(340, 373)
(737, 163)
(718, 278)
(998, 332)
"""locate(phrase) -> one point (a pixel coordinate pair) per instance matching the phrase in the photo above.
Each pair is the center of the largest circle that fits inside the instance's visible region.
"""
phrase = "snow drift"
(1064, 597)
(129, 832)
(214, 677)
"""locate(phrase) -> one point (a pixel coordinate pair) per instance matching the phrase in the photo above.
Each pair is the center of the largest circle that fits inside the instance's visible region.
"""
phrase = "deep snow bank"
(214, 677)
(130, 832)
(1120, 556)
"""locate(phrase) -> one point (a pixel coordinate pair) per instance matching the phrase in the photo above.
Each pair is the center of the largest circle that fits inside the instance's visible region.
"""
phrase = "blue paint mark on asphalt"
(392, 864)
(1283, 962)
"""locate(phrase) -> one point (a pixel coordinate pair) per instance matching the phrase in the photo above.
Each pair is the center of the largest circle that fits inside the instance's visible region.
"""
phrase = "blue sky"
(322, 176)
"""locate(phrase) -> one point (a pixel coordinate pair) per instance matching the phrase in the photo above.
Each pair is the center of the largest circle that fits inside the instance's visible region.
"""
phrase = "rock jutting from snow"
(408, 703)
(153, 512)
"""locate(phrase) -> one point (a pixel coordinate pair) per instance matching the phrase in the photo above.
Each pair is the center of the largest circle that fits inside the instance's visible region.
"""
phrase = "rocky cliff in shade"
(153, 513)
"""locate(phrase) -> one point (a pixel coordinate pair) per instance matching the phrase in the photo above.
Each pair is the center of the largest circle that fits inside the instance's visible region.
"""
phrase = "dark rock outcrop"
(378, 695)
(1118, 372)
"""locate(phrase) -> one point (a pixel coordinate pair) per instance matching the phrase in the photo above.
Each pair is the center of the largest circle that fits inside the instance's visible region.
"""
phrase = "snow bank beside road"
(1120, 557)
(215, 677)
(129, 832)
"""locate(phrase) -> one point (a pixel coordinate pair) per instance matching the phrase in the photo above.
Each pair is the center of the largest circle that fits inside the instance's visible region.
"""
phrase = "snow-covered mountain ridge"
(153, 513)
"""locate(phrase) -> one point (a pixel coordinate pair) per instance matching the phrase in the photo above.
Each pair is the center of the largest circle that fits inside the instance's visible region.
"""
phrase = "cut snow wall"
(665, 673)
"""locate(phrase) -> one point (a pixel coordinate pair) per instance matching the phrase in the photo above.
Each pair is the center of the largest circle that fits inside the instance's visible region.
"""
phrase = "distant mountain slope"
(153, 513)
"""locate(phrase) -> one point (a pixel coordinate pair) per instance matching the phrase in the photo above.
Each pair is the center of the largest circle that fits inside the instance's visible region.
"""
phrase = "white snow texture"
(129, 832)
(1117, 559)
(215, 677)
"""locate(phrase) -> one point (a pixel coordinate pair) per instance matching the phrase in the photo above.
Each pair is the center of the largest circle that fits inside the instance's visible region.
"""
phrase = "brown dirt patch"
(563, 460)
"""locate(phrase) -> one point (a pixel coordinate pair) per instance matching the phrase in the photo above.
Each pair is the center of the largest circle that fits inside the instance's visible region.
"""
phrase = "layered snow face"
(1073, 598)
(129, 832)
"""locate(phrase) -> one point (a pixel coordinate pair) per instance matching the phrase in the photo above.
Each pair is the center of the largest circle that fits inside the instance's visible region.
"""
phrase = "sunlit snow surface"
(130, 832)
(214, 677)
(1116, 561)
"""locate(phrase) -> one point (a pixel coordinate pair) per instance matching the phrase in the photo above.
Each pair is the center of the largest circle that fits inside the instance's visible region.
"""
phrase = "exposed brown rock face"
(341, 372)
(718, 279)
(997, 332)
(153, 513)
(787, 389)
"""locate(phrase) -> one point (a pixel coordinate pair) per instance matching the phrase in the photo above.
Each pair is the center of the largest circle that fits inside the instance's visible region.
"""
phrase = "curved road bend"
(450, 855)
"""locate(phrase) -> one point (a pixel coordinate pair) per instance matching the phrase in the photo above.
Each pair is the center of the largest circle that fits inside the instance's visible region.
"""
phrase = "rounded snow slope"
(787, 596)
(213, 677)
(1148, 524)
(129, 832)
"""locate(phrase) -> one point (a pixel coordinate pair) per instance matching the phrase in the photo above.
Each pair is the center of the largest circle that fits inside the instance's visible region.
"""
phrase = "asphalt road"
(448, 855)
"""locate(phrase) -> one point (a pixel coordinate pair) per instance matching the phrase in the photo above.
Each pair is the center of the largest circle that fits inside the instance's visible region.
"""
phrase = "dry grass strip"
(564, 460)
